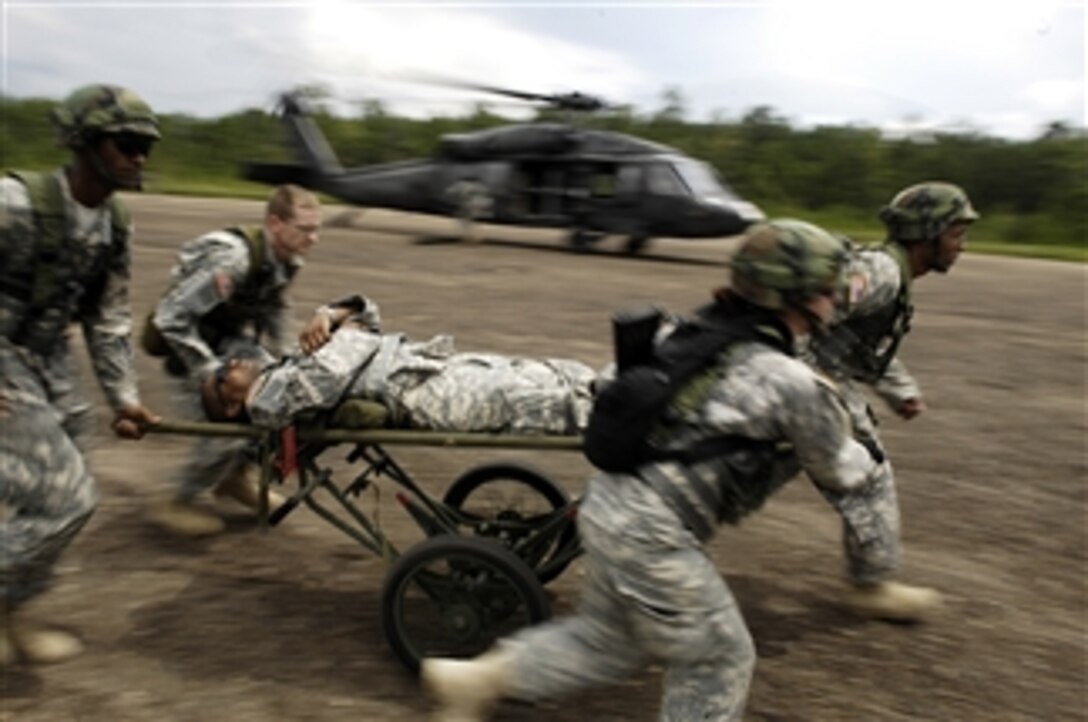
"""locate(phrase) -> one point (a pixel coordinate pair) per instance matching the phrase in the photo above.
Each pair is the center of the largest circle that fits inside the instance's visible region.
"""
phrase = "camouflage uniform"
(427, 385)
(43, 477)
(652, 593)
(213, 275)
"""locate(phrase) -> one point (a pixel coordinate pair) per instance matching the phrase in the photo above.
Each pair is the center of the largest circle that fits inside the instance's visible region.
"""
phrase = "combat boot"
(466, 689)
(39, 644)
(186, 519)
(245, 488)
(893, 602)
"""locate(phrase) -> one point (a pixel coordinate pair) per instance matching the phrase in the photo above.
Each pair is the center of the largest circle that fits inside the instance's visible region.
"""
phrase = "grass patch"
(1075, 254)
(998, 234)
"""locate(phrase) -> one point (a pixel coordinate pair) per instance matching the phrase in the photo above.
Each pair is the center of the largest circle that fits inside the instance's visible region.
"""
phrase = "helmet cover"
(785, 262)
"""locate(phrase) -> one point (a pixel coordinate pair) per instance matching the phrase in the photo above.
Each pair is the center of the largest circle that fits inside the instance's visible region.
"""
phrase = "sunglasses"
(132, 144)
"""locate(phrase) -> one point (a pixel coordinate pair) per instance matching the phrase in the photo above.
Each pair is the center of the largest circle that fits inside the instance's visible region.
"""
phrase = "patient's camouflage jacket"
(428, 385)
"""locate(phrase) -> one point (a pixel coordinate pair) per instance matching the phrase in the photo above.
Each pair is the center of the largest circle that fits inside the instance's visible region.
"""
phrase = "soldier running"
(228, 291)
(651, 592)
(64, 257)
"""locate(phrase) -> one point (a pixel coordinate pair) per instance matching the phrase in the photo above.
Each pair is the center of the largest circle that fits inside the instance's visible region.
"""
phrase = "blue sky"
(1003, 67)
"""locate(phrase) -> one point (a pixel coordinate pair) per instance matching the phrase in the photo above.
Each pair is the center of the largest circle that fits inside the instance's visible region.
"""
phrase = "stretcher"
(480, 572)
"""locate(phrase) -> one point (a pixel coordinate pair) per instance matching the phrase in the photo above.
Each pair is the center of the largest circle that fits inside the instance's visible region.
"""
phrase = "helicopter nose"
(748, 212)
(734, 216)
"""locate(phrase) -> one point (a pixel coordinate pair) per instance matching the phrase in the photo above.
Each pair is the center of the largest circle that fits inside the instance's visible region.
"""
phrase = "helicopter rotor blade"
(560, 101)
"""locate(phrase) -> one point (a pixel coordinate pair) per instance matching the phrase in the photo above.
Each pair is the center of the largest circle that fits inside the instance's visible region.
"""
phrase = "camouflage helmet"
(95, 110)
(785, 262)
(924, 211)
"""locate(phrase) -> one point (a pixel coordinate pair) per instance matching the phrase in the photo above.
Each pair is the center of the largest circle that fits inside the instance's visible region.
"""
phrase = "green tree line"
(1031, 192)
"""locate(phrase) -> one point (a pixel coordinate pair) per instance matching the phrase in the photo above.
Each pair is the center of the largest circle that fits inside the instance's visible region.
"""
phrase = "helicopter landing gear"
(636, 243)
(581, 240)
(472, 202)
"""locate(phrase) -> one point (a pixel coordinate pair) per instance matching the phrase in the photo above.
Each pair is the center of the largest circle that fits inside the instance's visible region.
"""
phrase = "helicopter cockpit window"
(663, 180)
(700, 178)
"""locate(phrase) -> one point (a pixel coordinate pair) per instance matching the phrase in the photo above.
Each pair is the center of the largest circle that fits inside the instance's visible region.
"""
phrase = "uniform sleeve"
(199, 288)
(364, 311)
(897, 385)
(107, 329)
(318, 381)
(16, 243)
(873, 278)
(816, 423)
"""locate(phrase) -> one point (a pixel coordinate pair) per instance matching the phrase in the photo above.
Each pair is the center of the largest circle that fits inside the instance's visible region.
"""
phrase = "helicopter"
(535, 174)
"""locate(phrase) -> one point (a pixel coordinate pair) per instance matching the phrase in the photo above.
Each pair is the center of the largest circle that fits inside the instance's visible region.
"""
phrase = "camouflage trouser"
(211, 459)
(871, 520)
(651, 594)
(44, 482)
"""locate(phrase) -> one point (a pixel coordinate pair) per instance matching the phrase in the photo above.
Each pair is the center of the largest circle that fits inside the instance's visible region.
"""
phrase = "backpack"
(651, 379)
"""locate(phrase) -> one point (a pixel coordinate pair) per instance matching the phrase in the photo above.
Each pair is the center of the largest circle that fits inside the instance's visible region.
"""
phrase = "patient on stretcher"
(420, 384)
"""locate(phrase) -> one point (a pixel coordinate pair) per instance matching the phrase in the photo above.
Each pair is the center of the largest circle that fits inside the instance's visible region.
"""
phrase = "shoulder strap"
(120, 217)
(693, 349)
(47, 203)
(257, 247)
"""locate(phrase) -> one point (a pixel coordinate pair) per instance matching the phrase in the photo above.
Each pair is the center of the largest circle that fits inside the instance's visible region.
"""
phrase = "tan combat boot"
(894, 602)
(466, 689)
(186, 519)
(40, 644)
(245, 488)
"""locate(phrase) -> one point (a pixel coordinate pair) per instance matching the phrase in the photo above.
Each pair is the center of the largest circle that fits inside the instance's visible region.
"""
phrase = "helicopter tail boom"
(278, 173)
(311, 148)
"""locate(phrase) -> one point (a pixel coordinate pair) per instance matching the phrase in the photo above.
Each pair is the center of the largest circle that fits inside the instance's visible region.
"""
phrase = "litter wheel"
(453, 596)
(511, 502)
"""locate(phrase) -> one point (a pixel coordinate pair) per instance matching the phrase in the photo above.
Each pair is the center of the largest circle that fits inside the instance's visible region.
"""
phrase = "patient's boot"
(40, 644)
(245, 488)
(466, 689)
(895, 602)
(183, 517)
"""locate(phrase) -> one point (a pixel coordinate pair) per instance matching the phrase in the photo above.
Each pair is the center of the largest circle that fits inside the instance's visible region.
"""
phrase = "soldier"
(927, 227)
(423, 385)
(228, 291)
(64, 256)
(651, 592)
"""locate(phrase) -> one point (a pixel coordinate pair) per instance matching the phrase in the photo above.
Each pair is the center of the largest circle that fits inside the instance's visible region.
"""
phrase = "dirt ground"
(282, 624)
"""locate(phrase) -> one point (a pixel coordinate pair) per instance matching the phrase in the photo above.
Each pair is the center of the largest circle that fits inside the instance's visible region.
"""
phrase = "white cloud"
(362, 48)
(1056, 95)
(867, 62)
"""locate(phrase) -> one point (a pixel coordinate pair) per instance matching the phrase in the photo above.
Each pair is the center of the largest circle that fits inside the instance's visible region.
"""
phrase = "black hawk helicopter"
(536, 174)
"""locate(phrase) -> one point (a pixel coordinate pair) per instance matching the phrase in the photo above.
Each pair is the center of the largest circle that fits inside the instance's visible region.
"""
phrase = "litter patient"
(422, 384)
